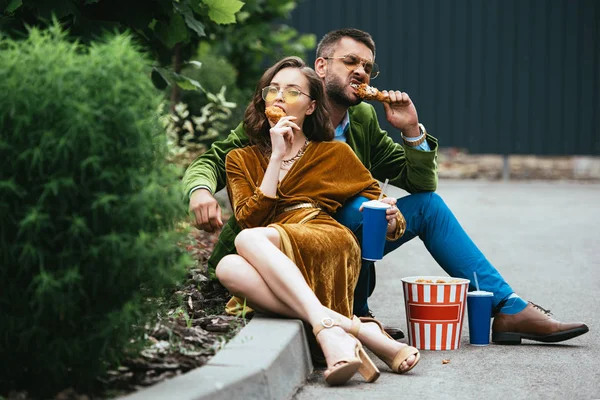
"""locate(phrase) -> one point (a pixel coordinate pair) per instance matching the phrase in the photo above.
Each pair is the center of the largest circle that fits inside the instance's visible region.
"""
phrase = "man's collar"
(341, 128)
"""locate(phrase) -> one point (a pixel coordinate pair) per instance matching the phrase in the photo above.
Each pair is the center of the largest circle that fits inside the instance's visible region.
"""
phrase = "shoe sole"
(397, 334)
(342, 374)
(515, 338)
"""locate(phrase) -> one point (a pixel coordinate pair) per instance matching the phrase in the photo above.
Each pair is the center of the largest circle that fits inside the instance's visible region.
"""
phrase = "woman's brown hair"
(317, 126)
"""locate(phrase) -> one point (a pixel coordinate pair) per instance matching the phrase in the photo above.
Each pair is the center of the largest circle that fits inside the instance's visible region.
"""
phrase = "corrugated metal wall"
(491, 76)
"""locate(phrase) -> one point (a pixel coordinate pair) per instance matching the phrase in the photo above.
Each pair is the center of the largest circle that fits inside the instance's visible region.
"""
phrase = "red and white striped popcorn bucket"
(435, 307)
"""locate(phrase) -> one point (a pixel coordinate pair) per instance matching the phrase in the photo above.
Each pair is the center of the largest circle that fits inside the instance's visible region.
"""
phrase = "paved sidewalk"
(544, 238)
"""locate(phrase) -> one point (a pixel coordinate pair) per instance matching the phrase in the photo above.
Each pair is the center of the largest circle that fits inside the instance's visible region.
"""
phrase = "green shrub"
(87, 207)
(214, 73)
(216, 70)
(188, 135)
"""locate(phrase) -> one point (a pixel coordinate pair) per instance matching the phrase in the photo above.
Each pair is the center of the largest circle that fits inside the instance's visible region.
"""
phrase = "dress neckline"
(298, 161)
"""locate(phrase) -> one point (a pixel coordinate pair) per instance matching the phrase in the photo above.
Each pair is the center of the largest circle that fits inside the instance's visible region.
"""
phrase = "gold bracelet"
(414, 143)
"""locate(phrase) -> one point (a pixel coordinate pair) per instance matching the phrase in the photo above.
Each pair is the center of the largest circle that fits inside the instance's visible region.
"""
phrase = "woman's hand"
(282, 137)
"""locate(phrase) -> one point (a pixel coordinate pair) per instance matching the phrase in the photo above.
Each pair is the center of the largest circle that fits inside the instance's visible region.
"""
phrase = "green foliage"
(214, 69)
(259, 38)
(240, 310)
(170, 77)
(223, 11)
(189, 135)
(173, 30)
(159, 25)
(215, 72)
(236, 56)
(87, 207)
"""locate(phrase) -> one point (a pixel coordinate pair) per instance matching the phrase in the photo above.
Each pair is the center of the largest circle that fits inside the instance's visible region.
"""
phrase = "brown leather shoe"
(533, 323)
(395, 333)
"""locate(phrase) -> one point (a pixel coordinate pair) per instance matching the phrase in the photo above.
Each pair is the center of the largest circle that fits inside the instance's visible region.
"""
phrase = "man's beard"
(336, 92)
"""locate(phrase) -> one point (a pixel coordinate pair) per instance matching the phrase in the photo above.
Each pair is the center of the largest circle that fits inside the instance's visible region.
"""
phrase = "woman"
(293, 258)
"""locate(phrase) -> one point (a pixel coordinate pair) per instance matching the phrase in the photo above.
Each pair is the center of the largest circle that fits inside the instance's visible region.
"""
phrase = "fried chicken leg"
(367, 92)
(274, 114)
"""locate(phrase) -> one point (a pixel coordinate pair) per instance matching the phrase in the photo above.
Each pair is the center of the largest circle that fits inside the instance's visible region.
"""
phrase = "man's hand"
(401, 113)
(390, 214)
(205, 211)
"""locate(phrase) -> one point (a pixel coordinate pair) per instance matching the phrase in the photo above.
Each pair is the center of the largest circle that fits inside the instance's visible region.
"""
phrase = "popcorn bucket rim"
(456, 281)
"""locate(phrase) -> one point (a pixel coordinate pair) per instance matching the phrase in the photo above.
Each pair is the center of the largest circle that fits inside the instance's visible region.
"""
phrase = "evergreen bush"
(88, 207)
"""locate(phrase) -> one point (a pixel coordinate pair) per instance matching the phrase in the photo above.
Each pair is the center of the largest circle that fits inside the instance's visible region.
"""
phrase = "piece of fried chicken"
(274, 114)
(367, 92)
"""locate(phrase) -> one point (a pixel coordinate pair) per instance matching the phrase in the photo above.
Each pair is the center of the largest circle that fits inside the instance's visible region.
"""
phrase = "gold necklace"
(287, 164)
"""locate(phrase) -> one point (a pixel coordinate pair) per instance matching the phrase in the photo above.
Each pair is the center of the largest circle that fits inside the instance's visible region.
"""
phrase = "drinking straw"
(476, 283)
(384, 189)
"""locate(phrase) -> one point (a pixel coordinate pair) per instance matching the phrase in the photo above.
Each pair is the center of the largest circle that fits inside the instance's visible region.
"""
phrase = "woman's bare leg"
(242, 280)
(240, 277)
(280, 274)
(271, 281)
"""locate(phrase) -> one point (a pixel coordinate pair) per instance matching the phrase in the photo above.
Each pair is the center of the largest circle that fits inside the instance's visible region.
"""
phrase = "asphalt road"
(544, 238)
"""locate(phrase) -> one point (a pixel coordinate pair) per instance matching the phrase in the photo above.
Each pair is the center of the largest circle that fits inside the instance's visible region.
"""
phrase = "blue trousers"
(428, 217)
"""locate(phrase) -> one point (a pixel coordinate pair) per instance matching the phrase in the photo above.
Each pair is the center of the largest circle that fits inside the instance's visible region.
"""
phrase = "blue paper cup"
(479, 304)
(374, 229)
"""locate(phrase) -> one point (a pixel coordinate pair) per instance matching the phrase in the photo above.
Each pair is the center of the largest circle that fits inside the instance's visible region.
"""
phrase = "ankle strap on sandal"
(326, 323)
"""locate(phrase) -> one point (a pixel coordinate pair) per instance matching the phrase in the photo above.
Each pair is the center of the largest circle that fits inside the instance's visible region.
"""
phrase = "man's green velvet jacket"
(407, 168)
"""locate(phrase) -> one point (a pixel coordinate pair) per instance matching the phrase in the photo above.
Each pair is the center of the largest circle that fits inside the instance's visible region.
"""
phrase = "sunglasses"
(352, 61)
(290, 95)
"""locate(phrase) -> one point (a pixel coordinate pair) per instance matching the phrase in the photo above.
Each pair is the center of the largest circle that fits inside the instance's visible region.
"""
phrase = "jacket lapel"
(355, 137)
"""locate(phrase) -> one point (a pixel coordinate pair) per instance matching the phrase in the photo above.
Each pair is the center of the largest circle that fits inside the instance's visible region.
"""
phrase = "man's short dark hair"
(325, 47)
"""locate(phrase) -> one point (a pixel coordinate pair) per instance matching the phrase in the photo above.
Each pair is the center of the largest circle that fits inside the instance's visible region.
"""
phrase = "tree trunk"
(175, 90)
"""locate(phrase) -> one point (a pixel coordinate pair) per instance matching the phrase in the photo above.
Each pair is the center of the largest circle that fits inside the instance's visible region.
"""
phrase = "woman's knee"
(230, 270)
(245, 239)
(251, 239)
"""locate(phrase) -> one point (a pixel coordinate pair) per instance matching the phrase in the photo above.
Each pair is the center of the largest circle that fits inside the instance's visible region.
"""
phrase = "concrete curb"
(268, 359)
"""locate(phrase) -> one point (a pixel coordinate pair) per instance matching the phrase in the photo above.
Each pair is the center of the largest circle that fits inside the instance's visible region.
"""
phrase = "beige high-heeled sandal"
(402, 354)
(345, 368)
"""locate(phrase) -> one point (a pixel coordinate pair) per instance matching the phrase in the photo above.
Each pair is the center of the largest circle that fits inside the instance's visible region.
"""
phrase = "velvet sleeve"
(209, 168)
(251, 207)
(410, 169)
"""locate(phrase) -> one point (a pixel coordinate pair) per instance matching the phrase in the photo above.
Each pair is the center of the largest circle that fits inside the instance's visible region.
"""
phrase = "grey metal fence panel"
(491, 76)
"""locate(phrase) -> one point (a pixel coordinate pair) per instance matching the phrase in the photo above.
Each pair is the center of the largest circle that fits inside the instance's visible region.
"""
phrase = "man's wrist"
(197, 188)
(414, 131)
(414, 141)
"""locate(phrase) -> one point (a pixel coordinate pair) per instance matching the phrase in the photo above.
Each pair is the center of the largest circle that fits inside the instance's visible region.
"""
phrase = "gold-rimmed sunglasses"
(352, 61)
(290, 95)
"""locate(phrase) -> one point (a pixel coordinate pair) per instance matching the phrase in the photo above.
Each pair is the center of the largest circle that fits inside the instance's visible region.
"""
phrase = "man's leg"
(429, 218)
(224, 246)
(362, 291)
(350, 217)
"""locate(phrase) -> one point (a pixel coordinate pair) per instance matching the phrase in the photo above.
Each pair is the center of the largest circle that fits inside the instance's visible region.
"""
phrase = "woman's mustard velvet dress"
(326, 252)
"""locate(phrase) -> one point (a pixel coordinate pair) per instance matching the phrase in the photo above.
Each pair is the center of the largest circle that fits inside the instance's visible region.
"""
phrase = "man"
(346, 57)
